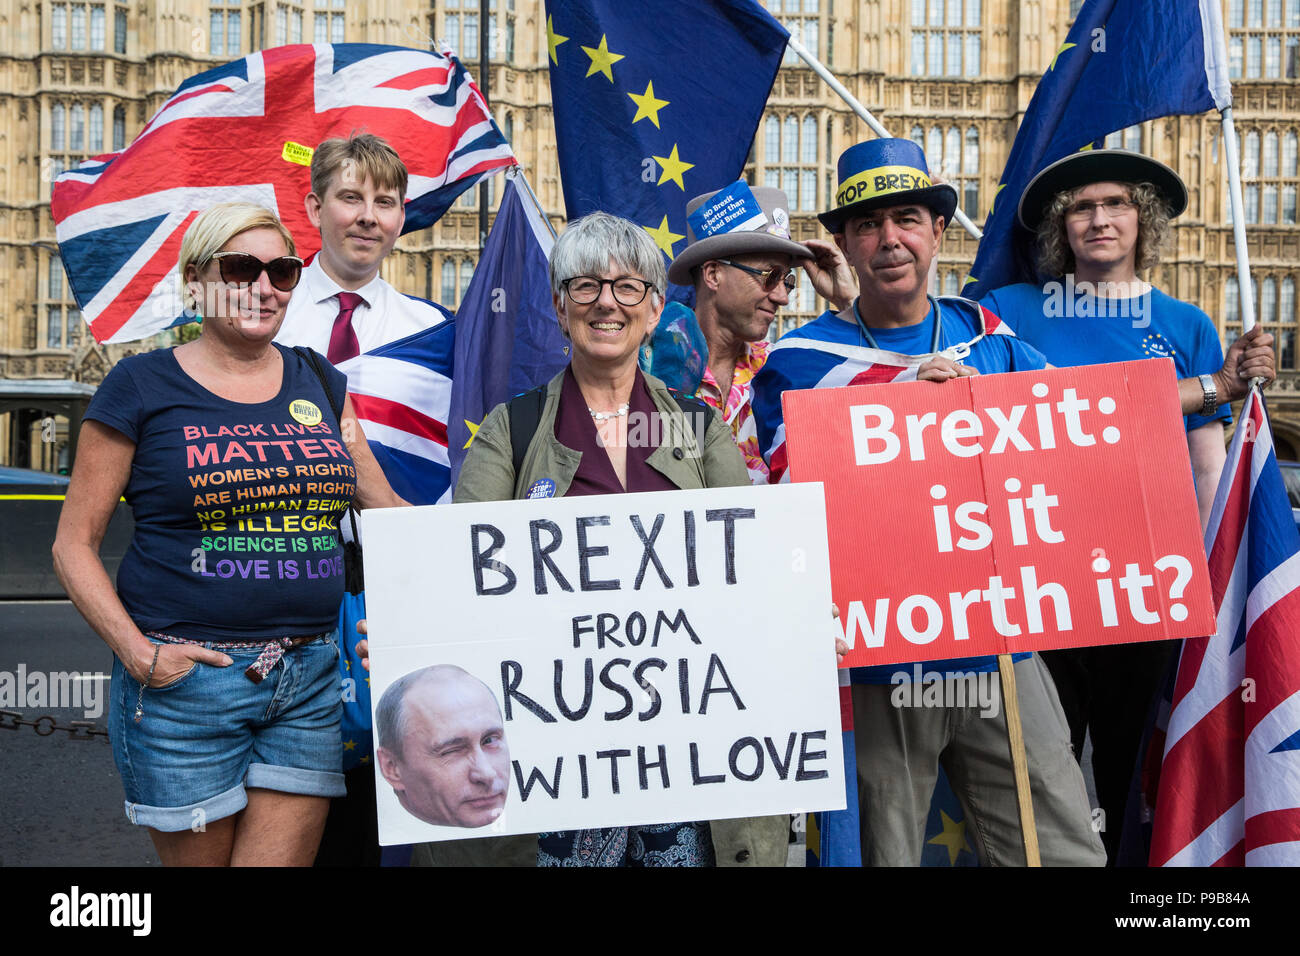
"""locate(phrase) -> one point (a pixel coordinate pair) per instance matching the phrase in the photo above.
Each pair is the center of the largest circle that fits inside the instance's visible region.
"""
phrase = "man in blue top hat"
(1100, 217)
(888, 222)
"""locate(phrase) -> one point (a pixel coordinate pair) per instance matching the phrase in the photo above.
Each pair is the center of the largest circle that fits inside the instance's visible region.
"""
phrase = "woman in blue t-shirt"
(225, 705)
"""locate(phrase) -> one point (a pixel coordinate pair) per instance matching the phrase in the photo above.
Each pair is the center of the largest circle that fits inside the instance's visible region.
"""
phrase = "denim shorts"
(206, 737)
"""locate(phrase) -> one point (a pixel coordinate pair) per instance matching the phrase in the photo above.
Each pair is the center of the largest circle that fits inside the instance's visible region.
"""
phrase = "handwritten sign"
(569, 663)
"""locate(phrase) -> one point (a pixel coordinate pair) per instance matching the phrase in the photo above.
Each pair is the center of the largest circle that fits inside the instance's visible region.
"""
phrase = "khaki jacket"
(488, 475)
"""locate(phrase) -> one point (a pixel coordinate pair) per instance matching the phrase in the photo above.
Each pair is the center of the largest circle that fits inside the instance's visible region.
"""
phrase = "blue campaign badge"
(541, 488)
(733, 209)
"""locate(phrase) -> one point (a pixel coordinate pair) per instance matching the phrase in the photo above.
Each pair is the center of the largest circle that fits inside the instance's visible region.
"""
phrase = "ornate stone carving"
(54, 365)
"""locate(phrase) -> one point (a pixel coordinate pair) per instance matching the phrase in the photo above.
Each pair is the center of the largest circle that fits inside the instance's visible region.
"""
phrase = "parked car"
(30, 502)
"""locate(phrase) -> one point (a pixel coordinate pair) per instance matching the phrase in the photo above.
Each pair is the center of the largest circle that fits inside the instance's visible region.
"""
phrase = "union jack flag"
(244, 131)
(806, 362)
(1230, 782)
(401, 394)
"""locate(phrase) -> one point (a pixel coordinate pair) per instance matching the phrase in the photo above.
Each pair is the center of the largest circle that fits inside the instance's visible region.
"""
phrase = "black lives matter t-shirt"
(236, 506)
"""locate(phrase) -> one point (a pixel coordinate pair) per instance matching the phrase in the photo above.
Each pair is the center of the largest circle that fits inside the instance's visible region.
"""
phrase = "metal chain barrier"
(45, 725)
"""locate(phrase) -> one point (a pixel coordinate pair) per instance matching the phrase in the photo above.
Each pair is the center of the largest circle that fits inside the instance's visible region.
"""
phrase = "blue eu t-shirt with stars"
(1082, 329)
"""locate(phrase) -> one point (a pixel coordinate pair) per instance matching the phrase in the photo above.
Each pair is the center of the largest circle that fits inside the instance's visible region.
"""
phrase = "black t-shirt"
(236, 505)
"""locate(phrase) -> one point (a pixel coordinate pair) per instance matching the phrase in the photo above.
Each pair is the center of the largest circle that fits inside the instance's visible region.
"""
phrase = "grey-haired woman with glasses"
(591, 438)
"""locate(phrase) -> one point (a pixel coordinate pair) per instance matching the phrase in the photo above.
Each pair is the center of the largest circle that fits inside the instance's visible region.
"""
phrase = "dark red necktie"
(343, 339)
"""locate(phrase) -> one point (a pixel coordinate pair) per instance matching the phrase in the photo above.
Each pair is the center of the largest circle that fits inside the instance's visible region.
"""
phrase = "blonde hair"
(363, 156)
(1056, 258)
(216, 226)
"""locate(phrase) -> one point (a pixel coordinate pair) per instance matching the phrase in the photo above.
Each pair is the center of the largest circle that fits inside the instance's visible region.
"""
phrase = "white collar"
(320, 287)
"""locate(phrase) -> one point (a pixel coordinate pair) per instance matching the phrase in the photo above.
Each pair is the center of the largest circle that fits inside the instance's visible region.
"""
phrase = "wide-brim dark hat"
(1099, 166)
(886, 172)
(770, 234)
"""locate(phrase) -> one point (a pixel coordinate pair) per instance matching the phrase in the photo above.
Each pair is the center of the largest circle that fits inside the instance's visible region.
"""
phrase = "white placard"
(649, 658)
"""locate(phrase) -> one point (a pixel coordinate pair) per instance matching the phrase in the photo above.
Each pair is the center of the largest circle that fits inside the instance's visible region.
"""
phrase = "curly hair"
(1056, 258)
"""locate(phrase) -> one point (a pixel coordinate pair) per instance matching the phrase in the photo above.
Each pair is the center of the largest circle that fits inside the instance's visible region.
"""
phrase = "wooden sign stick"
(1019, 763)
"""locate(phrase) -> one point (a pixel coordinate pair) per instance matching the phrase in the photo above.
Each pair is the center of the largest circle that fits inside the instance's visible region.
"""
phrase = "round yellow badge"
(304, 412)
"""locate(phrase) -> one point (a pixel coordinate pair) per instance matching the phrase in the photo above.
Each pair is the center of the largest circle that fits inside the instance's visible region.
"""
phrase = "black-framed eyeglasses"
(240, 267)
(627, 290)
(1085, 208)
(769, 279)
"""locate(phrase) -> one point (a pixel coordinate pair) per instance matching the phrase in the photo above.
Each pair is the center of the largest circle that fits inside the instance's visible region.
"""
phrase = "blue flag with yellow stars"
(656, 103)
(1123, 62)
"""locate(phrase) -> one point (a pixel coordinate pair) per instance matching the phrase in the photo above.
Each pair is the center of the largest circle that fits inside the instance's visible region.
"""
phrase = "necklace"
(604, 416)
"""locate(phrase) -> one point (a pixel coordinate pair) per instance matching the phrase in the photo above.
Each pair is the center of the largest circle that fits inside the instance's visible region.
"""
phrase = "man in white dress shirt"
(342, 307)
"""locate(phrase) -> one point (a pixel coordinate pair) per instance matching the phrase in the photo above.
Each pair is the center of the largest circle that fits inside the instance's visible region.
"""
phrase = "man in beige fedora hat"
(741, 261)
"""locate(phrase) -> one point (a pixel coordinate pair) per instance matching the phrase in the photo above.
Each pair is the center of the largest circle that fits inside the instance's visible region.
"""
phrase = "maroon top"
(575, 428)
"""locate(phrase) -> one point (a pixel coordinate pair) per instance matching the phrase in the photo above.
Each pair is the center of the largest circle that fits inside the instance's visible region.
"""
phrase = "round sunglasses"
(242, 268)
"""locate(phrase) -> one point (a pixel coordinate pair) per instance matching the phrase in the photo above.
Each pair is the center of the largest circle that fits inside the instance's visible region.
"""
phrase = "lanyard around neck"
(956, 351)
(871, 339)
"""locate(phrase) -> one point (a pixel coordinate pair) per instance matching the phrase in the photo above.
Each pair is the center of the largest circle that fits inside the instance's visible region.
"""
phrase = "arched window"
(772, 140)
(1270, 204)
(119, 128)
(1231, 301)
(56, 126)
(96, 128)
(1270, 154)
(934, 147)
(77, 137)
(448, 298)
(1250, 157)
(790, 140)
(952, 152)
(971, 157)
(466, 274)
(1268, 302)
(809, 144)
(54, 287)
(1289, 154)
(918, 137)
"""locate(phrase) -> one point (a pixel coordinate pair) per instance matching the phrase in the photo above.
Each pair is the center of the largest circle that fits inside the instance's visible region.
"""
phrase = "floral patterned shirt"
(737, 410)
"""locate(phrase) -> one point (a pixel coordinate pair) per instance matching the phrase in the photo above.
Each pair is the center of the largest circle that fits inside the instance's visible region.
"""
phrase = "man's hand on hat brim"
(829, 271)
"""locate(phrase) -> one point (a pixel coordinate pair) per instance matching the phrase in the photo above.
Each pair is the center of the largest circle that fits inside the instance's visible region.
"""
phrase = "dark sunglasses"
(240, 267)
(768, 278)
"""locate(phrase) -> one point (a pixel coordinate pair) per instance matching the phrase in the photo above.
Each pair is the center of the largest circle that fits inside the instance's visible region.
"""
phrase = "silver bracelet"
(139, 703)
(1210, 396)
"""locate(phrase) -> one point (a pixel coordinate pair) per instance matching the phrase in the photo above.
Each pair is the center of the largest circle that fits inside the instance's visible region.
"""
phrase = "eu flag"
(656, 103)
(507, 336)
(1123, 62)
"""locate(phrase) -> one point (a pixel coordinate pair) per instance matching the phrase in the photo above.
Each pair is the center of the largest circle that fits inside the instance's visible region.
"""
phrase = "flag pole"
(1019, 761)
(865, 115)
(1246, 292)
(517, 172)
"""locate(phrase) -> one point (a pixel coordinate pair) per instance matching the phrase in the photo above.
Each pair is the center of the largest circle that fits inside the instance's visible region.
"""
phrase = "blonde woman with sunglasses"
(224, 706)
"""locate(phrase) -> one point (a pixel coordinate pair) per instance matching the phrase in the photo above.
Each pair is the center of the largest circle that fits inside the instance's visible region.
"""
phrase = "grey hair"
(390, 714)
(588, 245)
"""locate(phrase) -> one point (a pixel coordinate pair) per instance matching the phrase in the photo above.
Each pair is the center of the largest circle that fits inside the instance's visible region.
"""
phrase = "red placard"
(1004, 513)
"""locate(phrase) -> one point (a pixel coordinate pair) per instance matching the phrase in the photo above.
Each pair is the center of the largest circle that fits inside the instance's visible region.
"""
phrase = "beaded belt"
(272, 650)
